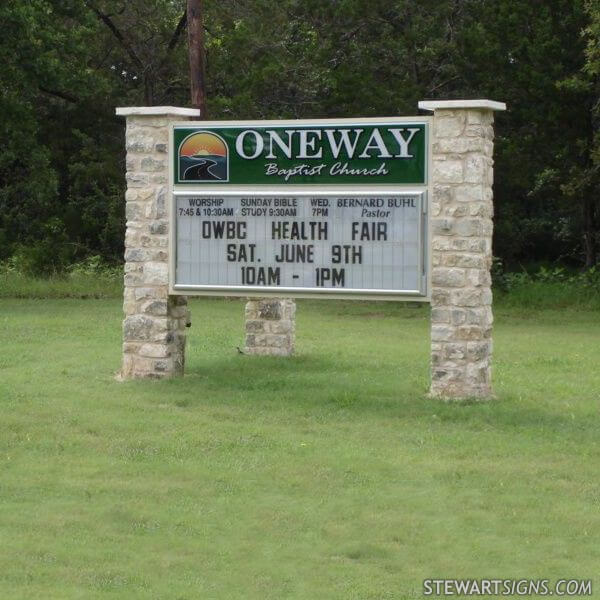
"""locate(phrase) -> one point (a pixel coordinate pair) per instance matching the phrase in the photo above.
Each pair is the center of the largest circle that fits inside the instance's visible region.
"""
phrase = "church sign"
(333, 208)
(350, 153)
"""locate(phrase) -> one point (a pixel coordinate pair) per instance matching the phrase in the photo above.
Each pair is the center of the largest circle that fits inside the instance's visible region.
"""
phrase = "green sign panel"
(386, 152)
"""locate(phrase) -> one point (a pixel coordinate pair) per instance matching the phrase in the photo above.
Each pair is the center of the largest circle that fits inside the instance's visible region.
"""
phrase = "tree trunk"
(589, 231)
(590, 202)
(195, 27)
(148, 90)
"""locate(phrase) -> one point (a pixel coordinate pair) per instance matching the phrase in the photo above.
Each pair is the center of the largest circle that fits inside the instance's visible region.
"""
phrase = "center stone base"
(270, 327)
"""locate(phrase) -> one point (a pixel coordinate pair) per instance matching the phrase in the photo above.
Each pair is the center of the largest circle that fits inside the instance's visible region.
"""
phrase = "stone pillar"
(461, 246)
(155, 322)
(270, 326)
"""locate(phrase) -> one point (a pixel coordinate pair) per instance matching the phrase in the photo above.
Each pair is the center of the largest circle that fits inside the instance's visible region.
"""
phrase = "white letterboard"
(300, 243)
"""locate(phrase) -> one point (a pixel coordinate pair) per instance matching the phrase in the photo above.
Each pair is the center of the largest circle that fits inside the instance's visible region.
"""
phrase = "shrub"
(547, 288)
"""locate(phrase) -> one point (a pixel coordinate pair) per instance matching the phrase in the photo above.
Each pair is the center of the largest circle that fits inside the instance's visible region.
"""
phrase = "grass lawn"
(327, 476)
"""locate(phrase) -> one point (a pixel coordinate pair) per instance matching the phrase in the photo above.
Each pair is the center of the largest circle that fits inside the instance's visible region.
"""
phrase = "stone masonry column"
(461, 246)
(155, 322)
(270, 326)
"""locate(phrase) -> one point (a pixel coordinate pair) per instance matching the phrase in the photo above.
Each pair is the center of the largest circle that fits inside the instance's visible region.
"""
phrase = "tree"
(68, 63)
(140, 38)
(195, 25)
(43, 55)
(526, 53)
(589, 80)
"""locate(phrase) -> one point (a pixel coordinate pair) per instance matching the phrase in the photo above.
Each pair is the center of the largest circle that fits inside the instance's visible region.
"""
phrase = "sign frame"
(214, 140)
(305, 189)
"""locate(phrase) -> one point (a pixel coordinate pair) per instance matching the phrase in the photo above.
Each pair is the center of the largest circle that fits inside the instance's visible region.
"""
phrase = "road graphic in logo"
(203, 157)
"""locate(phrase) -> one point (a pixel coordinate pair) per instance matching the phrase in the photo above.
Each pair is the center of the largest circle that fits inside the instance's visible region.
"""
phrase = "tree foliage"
(68, 63)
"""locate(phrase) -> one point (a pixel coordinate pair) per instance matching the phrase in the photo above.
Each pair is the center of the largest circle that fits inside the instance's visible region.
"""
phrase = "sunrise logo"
(203, 157)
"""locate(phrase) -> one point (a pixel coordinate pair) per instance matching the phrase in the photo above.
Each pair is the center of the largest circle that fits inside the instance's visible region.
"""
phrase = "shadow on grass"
(307, 377)
(265, 372)
(322, 386)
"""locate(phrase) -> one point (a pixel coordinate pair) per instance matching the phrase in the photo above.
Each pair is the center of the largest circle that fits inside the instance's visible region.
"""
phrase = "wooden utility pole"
(195, 26)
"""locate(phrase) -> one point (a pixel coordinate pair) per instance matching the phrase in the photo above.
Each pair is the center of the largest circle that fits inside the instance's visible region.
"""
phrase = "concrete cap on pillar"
(454, 104)
(157, 111)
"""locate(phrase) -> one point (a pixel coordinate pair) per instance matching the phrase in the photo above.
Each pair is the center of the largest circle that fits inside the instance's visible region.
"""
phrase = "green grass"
(107, 284)
(330, 475)
(553, 295)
